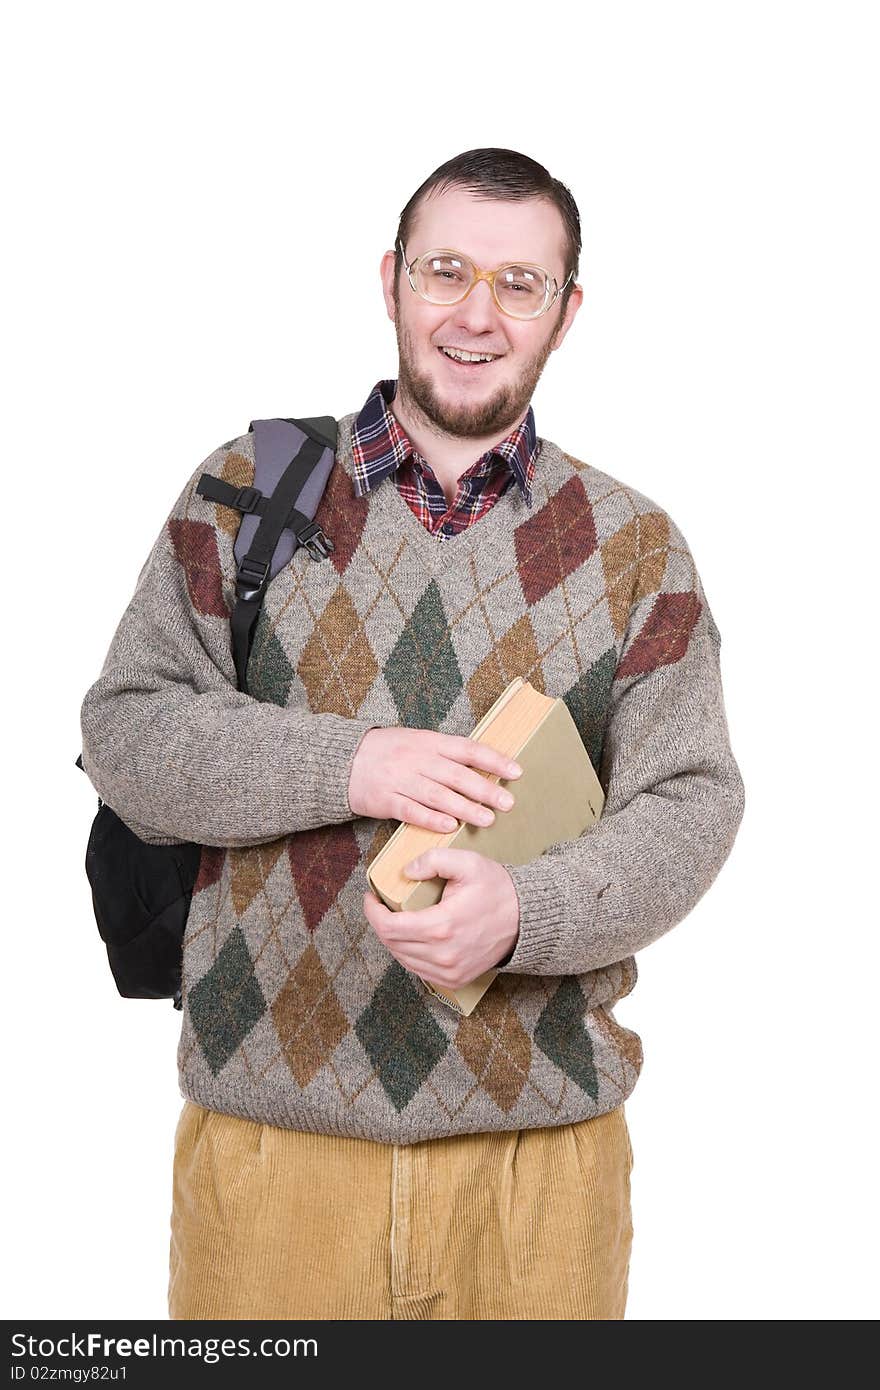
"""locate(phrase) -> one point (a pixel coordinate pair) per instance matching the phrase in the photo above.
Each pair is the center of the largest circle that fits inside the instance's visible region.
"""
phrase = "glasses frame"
(487, 275)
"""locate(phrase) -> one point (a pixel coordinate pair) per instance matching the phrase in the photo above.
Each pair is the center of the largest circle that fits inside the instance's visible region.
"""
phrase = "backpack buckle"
(315, 541)
(246, 499)
(251, 578)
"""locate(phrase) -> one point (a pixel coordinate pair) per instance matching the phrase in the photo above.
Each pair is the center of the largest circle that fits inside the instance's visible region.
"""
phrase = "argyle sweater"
(294, 1012)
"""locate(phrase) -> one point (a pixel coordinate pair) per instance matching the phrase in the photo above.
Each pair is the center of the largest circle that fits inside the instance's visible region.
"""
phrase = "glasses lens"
(442, 277)
(522, 290)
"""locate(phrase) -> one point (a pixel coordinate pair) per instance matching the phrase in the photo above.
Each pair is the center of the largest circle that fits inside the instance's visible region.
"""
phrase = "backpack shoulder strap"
(293, 460)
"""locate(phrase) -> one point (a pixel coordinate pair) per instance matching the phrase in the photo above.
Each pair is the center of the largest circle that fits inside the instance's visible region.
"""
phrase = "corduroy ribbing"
(528, 1224)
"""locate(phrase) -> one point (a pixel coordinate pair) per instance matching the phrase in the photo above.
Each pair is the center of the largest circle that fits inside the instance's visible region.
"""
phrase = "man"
(349, 1146)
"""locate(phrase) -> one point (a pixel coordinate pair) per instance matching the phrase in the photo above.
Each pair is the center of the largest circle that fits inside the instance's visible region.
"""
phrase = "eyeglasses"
(447, 277)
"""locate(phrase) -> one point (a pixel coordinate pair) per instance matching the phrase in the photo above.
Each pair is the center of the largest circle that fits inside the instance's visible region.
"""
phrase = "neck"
(449, 455)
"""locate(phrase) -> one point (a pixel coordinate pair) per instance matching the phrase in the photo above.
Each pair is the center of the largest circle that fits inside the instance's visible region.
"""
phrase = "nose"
(478, 313)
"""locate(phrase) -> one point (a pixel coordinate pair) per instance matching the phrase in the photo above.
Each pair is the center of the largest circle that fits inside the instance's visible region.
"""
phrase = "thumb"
(440, 862)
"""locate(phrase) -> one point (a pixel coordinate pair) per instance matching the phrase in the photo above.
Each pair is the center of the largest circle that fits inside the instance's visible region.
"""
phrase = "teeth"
(469, 356)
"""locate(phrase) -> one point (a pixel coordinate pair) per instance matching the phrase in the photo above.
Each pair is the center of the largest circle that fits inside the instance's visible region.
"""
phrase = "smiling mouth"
(468, 365)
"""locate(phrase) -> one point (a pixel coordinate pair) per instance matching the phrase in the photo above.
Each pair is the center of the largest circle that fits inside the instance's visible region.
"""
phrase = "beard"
(501, 411)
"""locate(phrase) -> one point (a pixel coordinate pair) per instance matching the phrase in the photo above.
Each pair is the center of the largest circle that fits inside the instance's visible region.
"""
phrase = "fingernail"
(485, 817)
(513, 769)
(505, 800)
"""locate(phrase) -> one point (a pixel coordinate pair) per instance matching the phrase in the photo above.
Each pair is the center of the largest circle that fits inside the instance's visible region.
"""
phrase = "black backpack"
(142, 892)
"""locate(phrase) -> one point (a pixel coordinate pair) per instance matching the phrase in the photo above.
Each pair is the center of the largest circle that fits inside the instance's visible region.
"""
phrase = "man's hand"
(471, 928)
(428, 779)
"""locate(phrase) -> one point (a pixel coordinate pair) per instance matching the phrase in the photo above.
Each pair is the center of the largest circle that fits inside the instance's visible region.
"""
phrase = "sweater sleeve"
(169, 741)
(674, 795)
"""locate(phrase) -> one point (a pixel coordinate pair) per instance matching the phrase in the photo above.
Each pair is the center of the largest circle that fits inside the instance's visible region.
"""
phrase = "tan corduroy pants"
(277, 1223)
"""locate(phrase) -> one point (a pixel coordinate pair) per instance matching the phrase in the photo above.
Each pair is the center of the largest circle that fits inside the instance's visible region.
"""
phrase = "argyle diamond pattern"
(496, 1047)
(400, 1037)
(269, 670)
(422, 671)
(308, 1017)
(588, 700)
(195, 545)
(226, 1003)
(561, 1034)
(285, 977)
(321, 863)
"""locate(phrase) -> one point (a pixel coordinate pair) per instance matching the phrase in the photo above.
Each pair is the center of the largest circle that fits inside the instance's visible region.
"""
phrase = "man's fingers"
(481, 755)
(443, 861)
(428, 923)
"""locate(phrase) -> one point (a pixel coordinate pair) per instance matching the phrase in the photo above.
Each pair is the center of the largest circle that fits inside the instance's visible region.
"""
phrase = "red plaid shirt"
(380, 446)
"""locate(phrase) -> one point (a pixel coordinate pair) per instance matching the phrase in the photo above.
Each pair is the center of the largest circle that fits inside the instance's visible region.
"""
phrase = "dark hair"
(502, 174)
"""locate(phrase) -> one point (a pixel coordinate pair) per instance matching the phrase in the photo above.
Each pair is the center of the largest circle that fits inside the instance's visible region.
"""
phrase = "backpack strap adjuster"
(246, 499)
(251, 578)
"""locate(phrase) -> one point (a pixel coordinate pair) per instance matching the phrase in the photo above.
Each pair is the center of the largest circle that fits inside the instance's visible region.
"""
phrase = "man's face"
(464, 400)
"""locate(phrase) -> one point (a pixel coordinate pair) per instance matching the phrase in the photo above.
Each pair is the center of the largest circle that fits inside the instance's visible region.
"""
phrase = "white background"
(170, 168)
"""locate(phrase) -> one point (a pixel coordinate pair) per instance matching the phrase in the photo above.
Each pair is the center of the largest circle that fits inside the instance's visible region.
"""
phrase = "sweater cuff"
(323, 781)
(545, 934)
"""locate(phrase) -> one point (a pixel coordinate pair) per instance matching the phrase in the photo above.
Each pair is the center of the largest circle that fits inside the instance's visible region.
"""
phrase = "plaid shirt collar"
(380, 444)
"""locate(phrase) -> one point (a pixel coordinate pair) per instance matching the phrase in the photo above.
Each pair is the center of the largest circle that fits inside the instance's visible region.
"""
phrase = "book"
(557, 798)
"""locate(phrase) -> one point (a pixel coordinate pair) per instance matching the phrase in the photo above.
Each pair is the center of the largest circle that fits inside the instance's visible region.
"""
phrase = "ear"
(386, 272)
(576, 299)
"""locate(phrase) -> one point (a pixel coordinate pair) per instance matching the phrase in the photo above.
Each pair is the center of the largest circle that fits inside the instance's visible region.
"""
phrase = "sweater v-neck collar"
(501, 520)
